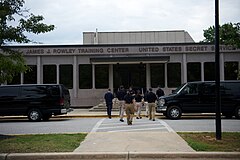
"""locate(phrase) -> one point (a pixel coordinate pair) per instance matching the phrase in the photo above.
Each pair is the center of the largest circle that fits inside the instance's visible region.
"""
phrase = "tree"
(11, 61)
(229, 34)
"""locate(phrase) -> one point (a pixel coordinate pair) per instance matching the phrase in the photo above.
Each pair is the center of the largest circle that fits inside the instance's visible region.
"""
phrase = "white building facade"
(110, 59)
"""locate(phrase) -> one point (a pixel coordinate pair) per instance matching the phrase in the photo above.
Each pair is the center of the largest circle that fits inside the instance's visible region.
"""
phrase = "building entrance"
(129, 75)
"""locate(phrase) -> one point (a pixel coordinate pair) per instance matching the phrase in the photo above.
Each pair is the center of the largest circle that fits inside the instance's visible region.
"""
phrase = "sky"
(73, 17)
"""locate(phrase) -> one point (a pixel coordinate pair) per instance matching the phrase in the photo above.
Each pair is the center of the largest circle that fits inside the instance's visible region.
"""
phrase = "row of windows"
(129, 74)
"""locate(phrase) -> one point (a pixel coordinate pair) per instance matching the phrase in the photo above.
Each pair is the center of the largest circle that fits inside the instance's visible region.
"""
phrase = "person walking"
(120, 96)
(146, 103)
(129, 99)
(151, 98)
(138, 100)
(159, 92)
(108, 99)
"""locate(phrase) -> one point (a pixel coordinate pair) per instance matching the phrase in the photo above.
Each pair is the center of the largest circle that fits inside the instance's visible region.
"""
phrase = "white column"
(202, 71)
(58, 74)
(110, 75)
(93, 76)
(184, 68)
(39, 77)
(148, 76)
(21, 78)
(165, 75)
(75, 76)
(221, 66)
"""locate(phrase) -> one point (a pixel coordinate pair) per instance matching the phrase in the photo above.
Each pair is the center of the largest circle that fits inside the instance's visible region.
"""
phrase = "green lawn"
(207, 142)
(40, 143)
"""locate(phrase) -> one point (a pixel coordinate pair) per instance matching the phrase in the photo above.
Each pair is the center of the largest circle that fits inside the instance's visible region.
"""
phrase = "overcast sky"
(73, 17)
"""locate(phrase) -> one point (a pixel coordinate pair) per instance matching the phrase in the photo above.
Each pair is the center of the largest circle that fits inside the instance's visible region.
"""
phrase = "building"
(138, 59)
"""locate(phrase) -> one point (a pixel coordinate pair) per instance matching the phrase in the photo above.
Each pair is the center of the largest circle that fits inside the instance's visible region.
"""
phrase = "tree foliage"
(12, 61)
(229, 34)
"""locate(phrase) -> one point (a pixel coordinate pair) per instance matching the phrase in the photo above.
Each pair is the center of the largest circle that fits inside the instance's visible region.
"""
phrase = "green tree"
(15, 23)
(229, 34)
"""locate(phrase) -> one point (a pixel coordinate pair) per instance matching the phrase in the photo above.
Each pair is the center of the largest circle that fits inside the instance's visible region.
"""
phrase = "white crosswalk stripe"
(142, 125)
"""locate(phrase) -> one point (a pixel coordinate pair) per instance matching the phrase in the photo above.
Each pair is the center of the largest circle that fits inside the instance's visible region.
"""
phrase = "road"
(76, 125)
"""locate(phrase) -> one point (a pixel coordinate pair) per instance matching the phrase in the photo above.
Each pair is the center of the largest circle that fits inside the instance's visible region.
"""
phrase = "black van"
(37, 101)
(199, 97)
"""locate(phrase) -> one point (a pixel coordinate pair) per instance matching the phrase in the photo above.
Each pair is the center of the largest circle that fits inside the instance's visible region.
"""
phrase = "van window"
(9, 92)
(34, 91)
(208, 88)
(190, 89)
(232, 89)
(54, 90)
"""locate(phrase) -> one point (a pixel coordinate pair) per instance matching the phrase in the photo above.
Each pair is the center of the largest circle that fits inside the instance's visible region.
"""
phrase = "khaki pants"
(152, 110)
(121, 109)
(129, 112)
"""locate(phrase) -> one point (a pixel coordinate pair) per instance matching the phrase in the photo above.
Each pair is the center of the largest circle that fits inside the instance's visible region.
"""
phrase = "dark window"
(31, 76)
(174, 74)
(231, 70)
(232, 88)
(157, 75)
(8, 92)
(208, 88)
(49, 74)
(85, 76)
(34, 91)
(193, 72)
(66, 75)
(16, 79)
(101, 76)
(190, 89)
(209, 71)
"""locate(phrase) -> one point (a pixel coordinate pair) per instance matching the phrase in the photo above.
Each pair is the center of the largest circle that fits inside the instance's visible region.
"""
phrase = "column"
(93, 76)
(165, 75)
(39, 77)
(184, 68)
(110, 75)
(148, 76)
(75, 76)
(58, 74)
(202, 71)
(21, 78)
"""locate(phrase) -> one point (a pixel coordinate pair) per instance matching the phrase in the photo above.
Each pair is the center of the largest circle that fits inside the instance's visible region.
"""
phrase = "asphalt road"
(76, 125)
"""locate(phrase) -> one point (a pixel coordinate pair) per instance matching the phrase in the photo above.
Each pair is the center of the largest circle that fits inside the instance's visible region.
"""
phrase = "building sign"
(138, 49)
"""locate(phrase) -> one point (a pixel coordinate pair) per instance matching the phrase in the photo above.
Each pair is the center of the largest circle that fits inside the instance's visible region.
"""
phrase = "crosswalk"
(139, 125)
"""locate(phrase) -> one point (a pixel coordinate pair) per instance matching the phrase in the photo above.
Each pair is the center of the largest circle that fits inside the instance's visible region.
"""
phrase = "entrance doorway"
(129, 75)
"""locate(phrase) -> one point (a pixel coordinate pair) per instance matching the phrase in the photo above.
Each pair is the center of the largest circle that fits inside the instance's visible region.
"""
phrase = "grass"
(40, 143)
(230, 141)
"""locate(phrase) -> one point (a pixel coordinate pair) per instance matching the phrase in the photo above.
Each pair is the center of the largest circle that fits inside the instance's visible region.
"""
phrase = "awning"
(129, 59)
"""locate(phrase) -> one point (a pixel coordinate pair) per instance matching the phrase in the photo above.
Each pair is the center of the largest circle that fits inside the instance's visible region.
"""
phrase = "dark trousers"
(109, 110)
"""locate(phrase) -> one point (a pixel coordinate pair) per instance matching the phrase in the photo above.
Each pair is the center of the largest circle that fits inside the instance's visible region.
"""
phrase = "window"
(8, 92)
(66, 75)
(34, 91)
(31, 76)
(49, 74)
(209, 71)
(16, 79)
(231, 70)
(174, 74)
(157, 75)
(193, 72)
(85, 76)
(101, 76)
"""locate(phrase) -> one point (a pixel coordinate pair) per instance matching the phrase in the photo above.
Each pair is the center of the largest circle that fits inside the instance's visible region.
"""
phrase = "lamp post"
(217, 74)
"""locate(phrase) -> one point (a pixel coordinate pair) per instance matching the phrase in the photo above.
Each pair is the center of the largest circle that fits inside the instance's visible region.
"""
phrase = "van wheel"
(174, 112)
(237, 112)
(34, 115)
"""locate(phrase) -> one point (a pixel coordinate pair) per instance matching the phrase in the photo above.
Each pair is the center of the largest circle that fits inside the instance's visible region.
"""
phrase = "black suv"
(199, 97)
(37, 101)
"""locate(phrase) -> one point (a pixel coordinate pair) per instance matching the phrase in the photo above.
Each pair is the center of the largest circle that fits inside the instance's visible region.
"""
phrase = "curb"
(121, 155)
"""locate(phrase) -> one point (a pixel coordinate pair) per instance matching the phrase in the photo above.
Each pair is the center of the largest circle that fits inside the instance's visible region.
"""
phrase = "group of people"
(131, 102)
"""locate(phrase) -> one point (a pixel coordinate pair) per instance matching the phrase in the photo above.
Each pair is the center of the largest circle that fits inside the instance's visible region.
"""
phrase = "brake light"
(61, 102)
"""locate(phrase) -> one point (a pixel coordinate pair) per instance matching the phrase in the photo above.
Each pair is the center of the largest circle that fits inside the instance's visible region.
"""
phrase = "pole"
(217, 74)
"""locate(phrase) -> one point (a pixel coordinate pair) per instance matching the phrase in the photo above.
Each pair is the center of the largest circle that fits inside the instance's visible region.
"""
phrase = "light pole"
(217, 74)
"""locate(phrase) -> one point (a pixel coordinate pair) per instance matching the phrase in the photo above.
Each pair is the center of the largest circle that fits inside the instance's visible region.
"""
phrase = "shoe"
(147, 116)
(140, 117)
(137, 117)
(153, 119)
(121, 120)
(130, 122)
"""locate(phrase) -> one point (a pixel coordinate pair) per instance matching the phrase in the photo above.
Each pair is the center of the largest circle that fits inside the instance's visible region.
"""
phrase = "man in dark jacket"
(108, 98)
(128, 98)
(151, 98)
(159, 92)
(120, 95)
